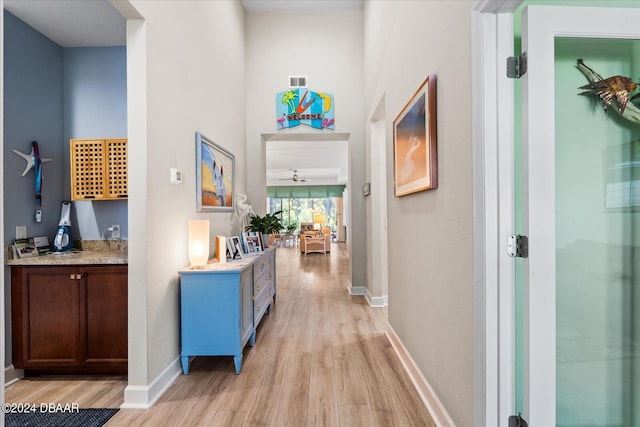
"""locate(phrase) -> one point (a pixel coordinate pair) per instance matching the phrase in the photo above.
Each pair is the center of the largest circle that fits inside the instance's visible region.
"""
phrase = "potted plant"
(265, 225)
(292, 227)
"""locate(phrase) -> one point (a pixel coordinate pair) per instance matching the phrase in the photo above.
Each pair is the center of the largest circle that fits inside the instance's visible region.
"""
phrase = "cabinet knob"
(72, 276)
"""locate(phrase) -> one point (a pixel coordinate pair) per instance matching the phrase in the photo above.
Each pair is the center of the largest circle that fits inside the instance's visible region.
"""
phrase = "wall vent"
(297, 81)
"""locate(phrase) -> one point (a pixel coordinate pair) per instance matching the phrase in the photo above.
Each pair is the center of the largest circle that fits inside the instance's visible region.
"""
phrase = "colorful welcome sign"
(303, 106)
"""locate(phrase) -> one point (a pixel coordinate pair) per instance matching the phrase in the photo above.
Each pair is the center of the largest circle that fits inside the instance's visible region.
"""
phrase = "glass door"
(597, 200)
(581, 196)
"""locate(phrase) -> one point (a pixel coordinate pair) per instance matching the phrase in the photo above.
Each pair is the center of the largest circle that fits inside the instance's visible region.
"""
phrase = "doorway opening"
(307, 180)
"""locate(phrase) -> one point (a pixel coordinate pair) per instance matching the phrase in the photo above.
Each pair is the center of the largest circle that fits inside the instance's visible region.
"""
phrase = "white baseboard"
(430, 399)
(381, 301)
(144, 396)
(356, 290)
(11, 375)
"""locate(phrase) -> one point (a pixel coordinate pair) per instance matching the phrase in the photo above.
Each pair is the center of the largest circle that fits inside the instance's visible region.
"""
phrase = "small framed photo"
(415, 160)
(236, 247)
(230, 250)
(366, 189)
(253, 241)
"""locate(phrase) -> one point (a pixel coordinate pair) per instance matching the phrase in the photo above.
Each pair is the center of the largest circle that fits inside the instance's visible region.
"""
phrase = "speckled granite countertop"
(91, 252)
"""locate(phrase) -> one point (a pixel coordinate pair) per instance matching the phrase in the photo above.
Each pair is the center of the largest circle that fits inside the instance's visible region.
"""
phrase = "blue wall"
(95, 106)
(95, 92)
(33, 101)
(53, 94)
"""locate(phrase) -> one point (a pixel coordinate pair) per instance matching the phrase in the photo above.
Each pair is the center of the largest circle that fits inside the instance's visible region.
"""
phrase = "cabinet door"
(50, 313)
(98, 169)
(87, 169)
(104, 318)
(246, 304)
(117, 161)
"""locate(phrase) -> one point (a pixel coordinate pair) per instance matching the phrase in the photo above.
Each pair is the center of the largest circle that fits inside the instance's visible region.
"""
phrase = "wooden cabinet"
(222, 305)
(69, 319)
(98, 169)
(106, 315)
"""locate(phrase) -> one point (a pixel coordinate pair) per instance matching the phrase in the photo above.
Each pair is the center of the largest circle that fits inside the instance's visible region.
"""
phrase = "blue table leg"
(237, 361)
(252, 340)
(185, 364)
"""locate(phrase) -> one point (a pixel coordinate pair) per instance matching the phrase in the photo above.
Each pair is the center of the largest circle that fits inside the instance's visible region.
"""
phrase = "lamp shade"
(319, 219)
(198, 242)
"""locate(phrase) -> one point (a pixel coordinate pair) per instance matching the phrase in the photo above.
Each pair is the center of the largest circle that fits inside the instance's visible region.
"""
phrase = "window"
(297, 210)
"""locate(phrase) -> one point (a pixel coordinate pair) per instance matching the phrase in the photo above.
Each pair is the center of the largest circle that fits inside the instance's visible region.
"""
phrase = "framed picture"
(415, 160)
(235, 247)
(215, 176)
(366, 189)
(253, 241)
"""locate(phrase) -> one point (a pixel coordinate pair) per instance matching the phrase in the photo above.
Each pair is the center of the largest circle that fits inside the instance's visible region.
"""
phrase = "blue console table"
(222, 305)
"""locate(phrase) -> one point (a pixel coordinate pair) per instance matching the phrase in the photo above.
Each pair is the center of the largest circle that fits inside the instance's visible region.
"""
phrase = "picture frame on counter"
(252, 242)
(234, 247)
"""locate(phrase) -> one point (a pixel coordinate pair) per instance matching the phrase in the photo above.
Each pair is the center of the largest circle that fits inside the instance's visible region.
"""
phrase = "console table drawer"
(261, 283)
(261, 305)
(262, 266)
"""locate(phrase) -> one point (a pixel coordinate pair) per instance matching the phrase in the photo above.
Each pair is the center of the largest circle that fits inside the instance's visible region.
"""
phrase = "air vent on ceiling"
(297, 81)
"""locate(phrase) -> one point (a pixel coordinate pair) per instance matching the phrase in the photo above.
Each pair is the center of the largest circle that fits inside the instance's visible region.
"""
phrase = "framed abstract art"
(415, 160)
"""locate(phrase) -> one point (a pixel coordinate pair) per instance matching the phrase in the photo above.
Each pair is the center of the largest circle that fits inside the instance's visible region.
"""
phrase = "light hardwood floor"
(321, 359)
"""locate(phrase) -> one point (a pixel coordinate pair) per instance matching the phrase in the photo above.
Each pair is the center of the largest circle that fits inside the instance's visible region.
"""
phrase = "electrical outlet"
(21, 231)
(115, 231)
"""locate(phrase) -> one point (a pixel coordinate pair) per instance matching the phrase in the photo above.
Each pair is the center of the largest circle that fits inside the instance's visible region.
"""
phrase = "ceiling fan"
(295, 177)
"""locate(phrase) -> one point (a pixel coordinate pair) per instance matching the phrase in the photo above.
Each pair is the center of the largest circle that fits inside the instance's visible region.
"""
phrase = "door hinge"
(518, 246)
(517, 421)
(517, 66)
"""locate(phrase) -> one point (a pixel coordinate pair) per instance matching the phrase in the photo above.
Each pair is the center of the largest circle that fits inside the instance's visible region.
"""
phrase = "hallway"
(321, 358)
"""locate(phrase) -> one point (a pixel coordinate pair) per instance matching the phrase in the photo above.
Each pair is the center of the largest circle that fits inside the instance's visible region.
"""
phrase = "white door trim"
(493, 200)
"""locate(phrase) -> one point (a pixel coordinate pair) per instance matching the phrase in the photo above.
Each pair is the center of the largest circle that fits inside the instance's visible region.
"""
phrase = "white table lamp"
(198, 242)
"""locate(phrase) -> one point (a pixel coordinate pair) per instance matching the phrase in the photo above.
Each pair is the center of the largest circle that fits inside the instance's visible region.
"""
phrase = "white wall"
(190, 79)
(430, 233)
(325, 46)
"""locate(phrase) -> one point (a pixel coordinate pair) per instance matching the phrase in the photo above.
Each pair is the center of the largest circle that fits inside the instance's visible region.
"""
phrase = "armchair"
(303, 243)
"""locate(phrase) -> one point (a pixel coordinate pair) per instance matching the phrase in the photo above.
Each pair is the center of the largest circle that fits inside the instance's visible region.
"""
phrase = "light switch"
(175, 176)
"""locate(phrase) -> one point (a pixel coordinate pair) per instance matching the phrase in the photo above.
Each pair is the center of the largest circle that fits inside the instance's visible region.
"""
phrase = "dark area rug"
(80, 418)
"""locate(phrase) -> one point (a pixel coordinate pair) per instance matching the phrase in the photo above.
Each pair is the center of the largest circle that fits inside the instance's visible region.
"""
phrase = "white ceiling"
(288, 5)
(86, 23)
(72, 23)
(320, 162)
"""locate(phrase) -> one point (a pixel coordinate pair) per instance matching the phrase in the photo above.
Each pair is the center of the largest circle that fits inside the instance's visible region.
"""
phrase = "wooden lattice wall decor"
(98, 169)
